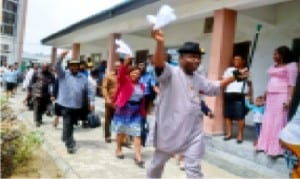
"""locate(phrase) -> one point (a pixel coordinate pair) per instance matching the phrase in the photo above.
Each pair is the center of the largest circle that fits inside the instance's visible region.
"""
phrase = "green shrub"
(30, 142)
(17, 146)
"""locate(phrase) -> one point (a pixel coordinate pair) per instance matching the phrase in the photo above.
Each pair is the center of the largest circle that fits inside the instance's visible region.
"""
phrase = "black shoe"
(38, 123)
(258, 150)
(275, 157)
(227, 138)
(139, 163)
(108, 140)
(71, 150)
(239, 141)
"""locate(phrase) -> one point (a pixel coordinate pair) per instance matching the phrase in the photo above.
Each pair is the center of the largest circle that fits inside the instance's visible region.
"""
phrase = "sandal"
(139, 163)
(239, 141)
(227, 138)
(120, 156)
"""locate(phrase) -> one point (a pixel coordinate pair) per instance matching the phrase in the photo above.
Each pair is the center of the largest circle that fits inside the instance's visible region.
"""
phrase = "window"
(82, 57)
(96, 57)
(9, 5)
(4, 48)
(3, 59)
(141, 56)
(242, 49)
(8, 18)
(7, 30)
(174, 55)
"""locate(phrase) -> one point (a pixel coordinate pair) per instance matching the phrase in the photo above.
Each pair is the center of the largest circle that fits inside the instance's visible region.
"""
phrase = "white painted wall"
(287, 28)
(282, 32)
(280, 26)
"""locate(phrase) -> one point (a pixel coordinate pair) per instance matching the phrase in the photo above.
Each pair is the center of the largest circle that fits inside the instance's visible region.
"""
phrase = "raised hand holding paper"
(123, 48)
(164, 17)
(151, 19)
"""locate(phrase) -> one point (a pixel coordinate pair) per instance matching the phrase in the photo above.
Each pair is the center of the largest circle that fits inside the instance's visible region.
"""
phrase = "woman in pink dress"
(278, 96)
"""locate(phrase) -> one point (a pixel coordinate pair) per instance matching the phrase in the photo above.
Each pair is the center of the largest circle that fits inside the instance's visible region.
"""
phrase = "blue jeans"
(257, 129)
(70, 117)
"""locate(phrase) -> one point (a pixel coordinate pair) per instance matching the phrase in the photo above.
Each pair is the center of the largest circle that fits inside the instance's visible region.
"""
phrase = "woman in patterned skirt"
(129, 113)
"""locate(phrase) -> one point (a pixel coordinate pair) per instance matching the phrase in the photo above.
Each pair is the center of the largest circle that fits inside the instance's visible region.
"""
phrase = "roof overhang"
(99, 17)
(129, 20)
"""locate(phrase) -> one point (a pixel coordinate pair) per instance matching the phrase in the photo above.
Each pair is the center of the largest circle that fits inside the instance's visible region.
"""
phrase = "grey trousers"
(191, 163)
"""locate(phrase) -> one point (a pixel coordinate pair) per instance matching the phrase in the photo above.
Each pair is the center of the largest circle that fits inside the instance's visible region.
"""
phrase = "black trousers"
(70, 117)
(39, 107)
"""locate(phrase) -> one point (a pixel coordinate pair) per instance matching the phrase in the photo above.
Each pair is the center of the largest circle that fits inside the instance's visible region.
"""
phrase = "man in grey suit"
(178, 124)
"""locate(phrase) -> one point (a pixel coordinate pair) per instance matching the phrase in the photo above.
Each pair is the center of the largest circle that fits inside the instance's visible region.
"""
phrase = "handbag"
(93, 120)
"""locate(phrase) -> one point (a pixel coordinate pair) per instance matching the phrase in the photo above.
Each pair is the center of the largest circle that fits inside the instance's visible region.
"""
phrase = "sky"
(45, 17)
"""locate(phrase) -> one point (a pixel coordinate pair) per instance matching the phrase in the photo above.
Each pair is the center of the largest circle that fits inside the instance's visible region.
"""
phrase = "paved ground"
(94, 158)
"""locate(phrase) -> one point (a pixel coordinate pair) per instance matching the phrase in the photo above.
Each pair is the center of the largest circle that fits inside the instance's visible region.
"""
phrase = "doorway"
(242, 49)
(141, 56)
(296, 48)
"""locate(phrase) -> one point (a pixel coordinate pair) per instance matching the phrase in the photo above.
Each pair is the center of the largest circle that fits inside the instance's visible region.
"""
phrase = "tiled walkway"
(94, 158)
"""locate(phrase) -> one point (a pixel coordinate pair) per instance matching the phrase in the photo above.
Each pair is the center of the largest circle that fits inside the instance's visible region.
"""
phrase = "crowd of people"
(173, 92)
(10, 77)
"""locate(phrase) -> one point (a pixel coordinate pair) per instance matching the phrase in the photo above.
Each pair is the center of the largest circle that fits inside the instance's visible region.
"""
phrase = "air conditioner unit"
(208, 25)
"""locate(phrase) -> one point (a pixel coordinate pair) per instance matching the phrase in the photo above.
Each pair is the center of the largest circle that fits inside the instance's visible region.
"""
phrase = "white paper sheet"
(123, 48)
(164, 17)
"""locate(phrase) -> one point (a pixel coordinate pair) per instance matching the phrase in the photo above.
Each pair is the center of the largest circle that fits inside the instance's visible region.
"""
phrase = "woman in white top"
(234, 100)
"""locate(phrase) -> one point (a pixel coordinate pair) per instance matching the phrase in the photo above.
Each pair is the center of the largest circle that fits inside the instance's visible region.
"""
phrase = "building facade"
(13, 17)
(221, 27)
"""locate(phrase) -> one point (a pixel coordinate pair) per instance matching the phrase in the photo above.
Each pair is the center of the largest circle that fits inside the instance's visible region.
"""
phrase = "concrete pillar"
(53, 55)
(76, 51)
(112, 55)
(21, 31)
(220, 58)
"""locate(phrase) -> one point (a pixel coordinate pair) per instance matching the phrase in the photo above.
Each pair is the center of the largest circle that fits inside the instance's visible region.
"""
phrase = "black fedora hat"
(190, 47)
